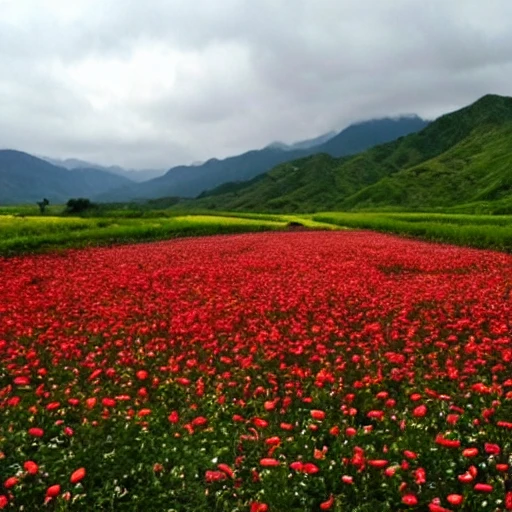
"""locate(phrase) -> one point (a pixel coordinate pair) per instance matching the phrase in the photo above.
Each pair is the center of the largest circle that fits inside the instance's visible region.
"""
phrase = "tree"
(79, 205)
(43, 204)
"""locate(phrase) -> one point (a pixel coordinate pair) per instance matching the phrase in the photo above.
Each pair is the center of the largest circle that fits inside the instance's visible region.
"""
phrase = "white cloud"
(169, 81)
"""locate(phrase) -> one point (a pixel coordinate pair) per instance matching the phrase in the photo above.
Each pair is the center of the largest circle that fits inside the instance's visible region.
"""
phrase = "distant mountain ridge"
(26, 179)
(462, 157)
(190, 181)
(137, 175)
(303, 144)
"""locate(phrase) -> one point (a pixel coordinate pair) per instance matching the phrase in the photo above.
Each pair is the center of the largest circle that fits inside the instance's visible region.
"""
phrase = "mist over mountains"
(26, 178)
(462, 158)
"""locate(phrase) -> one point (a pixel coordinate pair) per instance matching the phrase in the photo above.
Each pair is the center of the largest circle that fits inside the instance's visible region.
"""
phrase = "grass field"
(24, 230)
(26, 234)
(480, 231)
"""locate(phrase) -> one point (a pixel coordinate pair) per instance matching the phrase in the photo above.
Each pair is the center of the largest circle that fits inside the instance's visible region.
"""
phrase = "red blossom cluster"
(301, 371)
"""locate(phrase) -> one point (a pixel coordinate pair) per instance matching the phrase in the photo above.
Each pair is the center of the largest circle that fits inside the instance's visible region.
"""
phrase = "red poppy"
(78, 475)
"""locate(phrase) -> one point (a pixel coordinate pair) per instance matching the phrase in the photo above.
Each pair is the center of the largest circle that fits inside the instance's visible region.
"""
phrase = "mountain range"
(189, 181)
(25, 178)
(461, 158)
(137, 175)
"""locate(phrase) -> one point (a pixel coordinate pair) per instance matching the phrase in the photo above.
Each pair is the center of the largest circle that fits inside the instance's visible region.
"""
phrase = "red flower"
(310, 469)
(215, 476)
(448, 443)
(434, 507)
(466, 477)
(11, 482)
(483, 488)
(90, 403)
(334, 431)
(174, 417)
(452, 419)
(455, 499)
(420, 411)
(259, 507)
(327, 505)
(379, 415)
(31, 467)
(260, 422)
(21, 381)
(53, 491)
(378, 463)
(317, 415)
(3, 501)
(508, 501)
(77, 476)
(226, 469)
(36, 432)
(390, 471)
(269, 463)
(420, 476)
(409, 499)
(492, 449)
(199, 421)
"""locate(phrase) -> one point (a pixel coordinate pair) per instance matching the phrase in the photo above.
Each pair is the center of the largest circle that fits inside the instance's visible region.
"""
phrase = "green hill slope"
(479, 168)
(189, 181)
(462, 157)
(27, 179)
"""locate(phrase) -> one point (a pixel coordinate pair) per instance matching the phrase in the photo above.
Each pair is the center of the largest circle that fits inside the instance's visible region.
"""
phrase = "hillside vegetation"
(191, 180)
(27, 179)
(460, 159)
(25, 230)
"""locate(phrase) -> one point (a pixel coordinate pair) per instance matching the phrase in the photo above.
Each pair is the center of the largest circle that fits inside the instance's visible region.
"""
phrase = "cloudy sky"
(164, 82)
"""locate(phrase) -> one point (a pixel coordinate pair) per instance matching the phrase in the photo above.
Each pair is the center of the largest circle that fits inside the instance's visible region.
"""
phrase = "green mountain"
(137, 175)
(189, 181)
(462, 157)
(27, 179)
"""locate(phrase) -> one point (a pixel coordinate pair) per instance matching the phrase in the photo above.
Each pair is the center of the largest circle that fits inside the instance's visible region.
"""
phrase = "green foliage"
(28, 234)
(481, 231)
(79, 205)
(462, 158)
(42, 205)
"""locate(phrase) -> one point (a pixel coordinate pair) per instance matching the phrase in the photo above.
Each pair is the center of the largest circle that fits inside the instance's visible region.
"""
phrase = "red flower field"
(300, 371)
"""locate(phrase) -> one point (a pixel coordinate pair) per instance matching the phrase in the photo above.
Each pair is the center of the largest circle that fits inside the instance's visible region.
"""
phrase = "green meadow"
(479, 231)
(24, 230)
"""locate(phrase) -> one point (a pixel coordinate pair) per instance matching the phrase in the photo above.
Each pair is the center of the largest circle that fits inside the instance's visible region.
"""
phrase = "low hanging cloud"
(170, 82)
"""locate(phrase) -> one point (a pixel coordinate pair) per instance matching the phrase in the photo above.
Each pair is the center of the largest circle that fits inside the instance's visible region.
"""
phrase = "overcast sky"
(164, 82)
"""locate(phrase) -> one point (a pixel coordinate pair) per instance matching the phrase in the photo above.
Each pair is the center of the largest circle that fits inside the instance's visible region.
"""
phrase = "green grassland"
(480, 231)
(24, 230)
